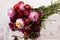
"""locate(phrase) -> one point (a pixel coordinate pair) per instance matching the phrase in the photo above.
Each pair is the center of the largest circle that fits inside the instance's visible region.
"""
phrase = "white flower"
(20, 23)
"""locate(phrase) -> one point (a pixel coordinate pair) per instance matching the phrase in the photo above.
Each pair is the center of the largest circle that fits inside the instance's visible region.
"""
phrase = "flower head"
(21, 5)
(20, 23)
(27, 6)
(34, 16)
(26, 20)
(12, 26)
(11, 12)
(26, 12)
(19, 13)
(16, 6)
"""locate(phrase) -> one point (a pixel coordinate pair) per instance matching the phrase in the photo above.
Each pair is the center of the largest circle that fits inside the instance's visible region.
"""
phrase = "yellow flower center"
(18, 24)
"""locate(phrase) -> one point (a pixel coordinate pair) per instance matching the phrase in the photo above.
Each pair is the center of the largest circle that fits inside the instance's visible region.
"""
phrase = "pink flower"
(21, 5)
(11, 12)
(20, 23)
(34, 16)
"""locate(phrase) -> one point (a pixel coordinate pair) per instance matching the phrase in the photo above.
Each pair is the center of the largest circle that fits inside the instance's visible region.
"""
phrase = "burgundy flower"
(26, 28)
(34, 16)
(26, 12)
(35, 28)
(13, 19)
(36, 35)
(19, 13)
(26, 20)
(27, 6)
(12, 26)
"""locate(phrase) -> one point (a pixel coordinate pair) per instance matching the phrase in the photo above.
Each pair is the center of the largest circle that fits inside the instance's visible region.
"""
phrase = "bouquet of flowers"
(28, 20)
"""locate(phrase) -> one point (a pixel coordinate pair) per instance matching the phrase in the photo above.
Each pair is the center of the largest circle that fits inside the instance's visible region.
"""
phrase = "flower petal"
(11, 12)
(12, 27)
(20, 23)
(34, 16)
(21, 5)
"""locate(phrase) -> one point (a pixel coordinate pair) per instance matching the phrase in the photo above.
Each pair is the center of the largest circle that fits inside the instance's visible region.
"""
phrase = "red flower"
(16, 6)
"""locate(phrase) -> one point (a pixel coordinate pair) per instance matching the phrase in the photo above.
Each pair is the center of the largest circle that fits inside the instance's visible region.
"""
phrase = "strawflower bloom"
(20, 23)
(11, 12)
(34, 16)
(21, 5)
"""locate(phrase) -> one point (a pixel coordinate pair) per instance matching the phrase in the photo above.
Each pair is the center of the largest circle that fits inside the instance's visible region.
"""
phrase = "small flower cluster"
(25, 20)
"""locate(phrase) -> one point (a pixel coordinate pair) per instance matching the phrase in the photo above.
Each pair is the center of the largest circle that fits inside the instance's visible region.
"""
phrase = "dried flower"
(12, 26)
(16, 6)
(34, 16)
(21, 5)
(27, 6)
(11, 12)
(20, 23)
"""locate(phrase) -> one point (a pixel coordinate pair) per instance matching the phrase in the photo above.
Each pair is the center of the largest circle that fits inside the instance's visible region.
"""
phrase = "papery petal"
(11, 12)
(26, 12)
(20, 23)
(27, 6)
(34, 16)
(21, 5)
(16, 6)
(12, 27)
(26, 28)
(19, 13)
(13, 19)
(26, 20)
